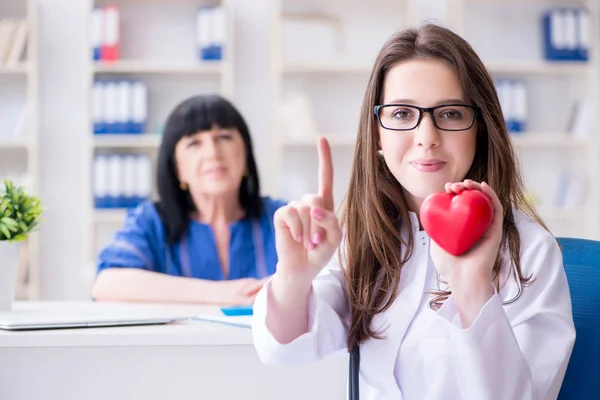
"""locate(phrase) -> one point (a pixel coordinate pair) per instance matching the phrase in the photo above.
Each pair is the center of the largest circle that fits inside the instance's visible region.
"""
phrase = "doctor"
(428, 325)
(210, 237)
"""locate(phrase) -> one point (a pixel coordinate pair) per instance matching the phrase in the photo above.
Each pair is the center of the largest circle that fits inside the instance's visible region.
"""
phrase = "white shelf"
(311, 140)
(326, 67)
(539, 67)
(14, 143)
(127, 141)
(109, 215)
(158, 67)
(548, 140)
(22, 68)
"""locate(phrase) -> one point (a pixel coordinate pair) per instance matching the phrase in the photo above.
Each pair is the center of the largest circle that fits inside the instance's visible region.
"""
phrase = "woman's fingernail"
(311, 245)
(316, 238)
(299, 238)
(318, 214)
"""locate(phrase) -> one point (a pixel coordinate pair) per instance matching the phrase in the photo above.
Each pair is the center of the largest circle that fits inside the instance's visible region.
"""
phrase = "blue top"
(142, 243)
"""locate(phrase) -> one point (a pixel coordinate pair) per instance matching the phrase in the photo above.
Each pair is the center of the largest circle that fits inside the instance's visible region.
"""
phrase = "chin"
(419, 190)
(219, 189)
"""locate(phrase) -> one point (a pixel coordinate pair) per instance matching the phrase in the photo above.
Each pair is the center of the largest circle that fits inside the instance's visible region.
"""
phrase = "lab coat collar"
(414, 227)
(414, 221)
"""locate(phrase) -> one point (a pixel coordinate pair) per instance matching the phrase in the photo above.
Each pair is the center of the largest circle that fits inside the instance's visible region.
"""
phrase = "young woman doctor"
(493, 323)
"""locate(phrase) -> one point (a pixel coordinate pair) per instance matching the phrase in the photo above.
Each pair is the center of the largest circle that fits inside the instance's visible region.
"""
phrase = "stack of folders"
(567, 34)
(121, 180)
(119, 107)
(105, 33)
(512, 94)
(211, 32)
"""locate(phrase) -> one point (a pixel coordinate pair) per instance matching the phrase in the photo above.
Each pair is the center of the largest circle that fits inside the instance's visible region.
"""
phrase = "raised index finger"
(325, 174)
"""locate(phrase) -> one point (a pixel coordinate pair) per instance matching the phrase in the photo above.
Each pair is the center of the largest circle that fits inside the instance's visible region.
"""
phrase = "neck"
(414, 205)
(217, 210)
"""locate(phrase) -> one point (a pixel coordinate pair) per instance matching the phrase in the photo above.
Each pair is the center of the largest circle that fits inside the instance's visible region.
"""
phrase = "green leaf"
(5, 231)
(10, 223)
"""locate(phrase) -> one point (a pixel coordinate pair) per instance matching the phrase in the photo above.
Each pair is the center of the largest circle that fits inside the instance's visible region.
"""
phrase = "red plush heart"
(456, 221)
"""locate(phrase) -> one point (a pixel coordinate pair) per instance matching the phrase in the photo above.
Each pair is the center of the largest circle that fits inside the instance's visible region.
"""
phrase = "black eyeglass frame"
(423, 110)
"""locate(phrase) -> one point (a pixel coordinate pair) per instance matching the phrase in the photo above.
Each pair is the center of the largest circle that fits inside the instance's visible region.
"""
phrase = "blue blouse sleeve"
(138, 244)
(271, 205)
(268, 226)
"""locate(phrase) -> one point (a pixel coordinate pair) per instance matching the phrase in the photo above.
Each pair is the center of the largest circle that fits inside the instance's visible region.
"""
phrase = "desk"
(185, 360)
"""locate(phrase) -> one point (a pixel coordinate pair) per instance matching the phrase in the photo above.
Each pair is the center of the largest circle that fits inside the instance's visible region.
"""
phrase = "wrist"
(209, 292)
(470, 296)
(287, 288)
(473, 292)
(294, 276)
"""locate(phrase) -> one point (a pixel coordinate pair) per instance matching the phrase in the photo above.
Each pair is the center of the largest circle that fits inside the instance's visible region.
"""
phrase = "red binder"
(110, 50)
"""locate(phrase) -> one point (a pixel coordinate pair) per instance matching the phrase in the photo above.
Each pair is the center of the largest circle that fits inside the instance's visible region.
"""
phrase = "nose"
(426, 134)
(210, 148)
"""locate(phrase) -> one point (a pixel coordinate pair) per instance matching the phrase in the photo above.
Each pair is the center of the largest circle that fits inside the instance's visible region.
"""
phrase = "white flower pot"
(9, 266)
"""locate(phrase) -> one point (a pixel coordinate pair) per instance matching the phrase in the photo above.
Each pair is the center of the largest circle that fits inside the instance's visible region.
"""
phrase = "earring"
(183, 186)
(380, 152)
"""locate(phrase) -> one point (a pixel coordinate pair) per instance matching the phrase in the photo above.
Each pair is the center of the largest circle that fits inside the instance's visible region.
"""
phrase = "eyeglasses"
(446, 117)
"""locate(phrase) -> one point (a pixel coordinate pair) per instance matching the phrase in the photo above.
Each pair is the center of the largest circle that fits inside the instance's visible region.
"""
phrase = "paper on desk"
(243, 321)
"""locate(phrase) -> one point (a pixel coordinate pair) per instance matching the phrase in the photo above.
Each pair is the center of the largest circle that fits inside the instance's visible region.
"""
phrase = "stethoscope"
(519, 287)
(259, 253)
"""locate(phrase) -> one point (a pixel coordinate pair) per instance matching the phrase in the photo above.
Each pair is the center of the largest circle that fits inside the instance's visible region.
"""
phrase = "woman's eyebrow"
(443, 101)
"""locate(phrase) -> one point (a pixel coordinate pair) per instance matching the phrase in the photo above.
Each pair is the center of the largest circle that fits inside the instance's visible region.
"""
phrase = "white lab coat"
(518, 351)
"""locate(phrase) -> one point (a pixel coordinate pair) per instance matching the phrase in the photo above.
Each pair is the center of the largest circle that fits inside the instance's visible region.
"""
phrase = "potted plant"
(19, 216)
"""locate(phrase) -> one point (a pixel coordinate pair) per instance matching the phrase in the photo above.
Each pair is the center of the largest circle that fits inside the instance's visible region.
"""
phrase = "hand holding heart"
(465, 236)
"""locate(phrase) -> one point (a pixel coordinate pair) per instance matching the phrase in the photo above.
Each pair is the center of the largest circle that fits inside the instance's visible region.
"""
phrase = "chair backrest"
(581, 258)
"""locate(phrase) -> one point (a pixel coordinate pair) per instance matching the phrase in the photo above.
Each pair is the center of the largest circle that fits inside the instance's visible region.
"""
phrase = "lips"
(215, 171)
(428, 165)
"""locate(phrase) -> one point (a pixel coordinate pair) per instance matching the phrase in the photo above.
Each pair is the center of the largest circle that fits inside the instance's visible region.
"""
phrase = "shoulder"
(145, 216)
(144, 211)
(531, 232)
(270, 205)
(539, 248)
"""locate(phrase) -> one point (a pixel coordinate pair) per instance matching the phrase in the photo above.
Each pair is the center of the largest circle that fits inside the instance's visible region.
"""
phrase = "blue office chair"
(581, 258)
(582, 265)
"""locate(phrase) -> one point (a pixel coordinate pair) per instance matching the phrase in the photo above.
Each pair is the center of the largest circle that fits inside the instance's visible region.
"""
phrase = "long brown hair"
(375, 205)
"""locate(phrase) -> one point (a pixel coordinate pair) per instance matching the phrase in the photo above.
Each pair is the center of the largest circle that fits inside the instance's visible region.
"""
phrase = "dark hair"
(200, 113)
(375, 202)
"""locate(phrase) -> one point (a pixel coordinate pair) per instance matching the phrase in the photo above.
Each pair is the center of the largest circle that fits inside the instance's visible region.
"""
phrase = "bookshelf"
(550, 147)
(330, 81)
(19, 121)
(158, 46)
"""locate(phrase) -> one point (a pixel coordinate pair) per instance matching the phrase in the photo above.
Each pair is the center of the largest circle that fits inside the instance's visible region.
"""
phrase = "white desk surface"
(186, 360)
(184, 333)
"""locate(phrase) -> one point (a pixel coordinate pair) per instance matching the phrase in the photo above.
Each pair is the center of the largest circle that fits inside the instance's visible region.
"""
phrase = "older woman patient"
(210, 237)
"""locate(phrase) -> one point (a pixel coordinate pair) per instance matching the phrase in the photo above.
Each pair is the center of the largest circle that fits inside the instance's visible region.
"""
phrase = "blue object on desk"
(237, 310)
